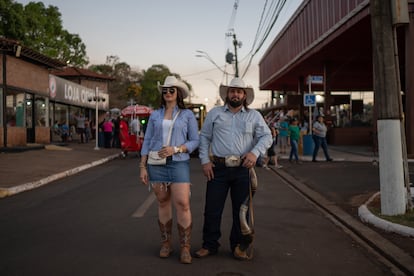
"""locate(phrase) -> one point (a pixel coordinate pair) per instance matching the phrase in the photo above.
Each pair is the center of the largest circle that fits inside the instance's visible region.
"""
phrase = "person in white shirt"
(319, 137)
(135, 126)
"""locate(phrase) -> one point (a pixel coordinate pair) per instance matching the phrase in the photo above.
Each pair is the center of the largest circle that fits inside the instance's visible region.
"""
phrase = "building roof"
(327, 36)
(73, 72)
(13, 47)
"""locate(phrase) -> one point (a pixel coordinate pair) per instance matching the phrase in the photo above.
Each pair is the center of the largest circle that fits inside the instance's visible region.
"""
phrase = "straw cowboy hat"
(237, 83)
(172, 81)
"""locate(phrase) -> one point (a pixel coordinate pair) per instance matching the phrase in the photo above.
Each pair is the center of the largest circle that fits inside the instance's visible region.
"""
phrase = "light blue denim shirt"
(227, 133)
(185, 132)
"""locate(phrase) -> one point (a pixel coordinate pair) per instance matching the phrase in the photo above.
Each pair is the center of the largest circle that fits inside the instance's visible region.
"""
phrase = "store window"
(41, 111)
(61, 113)
(74, 111)
(15, 110)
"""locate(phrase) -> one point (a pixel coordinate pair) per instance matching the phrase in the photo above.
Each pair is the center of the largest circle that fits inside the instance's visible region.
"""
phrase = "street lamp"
(96, 99)
(218, 101)
(206, 56)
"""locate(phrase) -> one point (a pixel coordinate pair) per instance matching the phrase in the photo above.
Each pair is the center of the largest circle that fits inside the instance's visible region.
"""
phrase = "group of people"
(287, 132)
(110, 130)
(230, 142)
(81, 127)
(232, 138)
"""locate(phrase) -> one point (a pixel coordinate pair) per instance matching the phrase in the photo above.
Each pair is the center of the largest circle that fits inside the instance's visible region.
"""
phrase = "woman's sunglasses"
(170, 90)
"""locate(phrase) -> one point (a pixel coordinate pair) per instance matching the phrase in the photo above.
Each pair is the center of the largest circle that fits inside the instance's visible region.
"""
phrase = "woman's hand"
(143, 175)
(166, 151)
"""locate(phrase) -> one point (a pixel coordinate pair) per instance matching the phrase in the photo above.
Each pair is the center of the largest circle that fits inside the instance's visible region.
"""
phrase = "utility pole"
(387, 100)
(236, 43)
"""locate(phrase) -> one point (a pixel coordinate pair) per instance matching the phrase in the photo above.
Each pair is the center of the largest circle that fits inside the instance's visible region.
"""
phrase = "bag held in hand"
(155, 159)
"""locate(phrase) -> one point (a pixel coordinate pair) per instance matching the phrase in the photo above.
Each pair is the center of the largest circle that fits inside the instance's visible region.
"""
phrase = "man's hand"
(249, 160)
(208, 171)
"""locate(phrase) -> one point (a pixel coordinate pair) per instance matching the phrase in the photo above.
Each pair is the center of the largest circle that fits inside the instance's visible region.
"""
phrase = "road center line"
(140, 212)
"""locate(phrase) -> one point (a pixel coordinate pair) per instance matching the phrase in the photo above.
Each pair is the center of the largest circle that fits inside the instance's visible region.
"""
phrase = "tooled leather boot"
(185, 243)
(166, 230)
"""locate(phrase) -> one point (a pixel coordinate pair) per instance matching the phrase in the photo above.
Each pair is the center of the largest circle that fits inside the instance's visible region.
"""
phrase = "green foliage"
(407, 219)
(153, 75)
(141, 87)
(40, 28)
(126, 81)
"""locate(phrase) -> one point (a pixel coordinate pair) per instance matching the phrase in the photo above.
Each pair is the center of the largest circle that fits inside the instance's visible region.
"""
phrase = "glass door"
(30, 127)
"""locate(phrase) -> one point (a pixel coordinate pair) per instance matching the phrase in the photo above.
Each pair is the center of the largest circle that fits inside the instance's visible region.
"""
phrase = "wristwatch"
(178, 149)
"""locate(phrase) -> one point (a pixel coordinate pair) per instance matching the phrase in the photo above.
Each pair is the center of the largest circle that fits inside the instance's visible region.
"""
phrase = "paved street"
(83, 225)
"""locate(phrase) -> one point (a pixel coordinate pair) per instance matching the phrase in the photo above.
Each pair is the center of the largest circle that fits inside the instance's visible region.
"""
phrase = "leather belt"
(218, 159)
(231, 161)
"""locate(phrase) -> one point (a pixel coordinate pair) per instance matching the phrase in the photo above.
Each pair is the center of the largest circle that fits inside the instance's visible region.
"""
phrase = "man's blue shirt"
(226, 133)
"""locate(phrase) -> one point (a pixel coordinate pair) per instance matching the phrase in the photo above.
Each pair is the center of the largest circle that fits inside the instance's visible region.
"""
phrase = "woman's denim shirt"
(185, 132)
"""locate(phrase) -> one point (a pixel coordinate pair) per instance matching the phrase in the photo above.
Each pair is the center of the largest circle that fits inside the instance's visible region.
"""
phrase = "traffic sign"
(315, 80)
(309, 99)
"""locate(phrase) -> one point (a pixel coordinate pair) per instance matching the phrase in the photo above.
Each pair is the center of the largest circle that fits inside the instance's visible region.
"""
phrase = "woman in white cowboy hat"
(171, 181)
(235, 135)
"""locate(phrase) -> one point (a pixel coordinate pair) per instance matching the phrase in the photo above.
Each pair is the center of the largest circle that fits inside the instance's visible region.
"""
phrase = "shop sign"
(65, 91)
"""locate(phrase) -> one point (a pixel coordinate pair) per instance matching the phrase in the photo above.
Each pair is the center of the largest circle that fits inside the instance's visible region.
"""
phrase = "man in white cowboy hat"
(235, 136)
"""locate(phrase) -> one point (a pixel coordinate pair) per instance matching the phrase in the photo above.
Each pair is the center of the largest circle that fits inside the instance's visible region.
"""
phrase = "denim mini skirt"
(172, 172)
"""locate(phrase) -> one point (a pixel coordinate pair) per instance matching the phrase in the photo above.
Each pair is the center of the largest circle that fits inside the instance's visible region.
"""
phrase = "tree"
(126, 81)
(40, 29)
(139, 86)
(149, 94)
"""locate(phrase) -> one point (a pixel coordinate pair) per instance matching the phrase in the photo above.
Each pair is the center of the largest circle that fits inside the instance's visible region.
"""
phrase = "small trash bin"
(308, 145)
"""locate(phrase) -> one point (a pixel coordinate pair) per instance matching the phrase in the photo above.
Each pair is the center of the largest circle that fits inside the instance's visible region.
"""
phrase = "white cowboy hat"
(172, 81)
(238, 83)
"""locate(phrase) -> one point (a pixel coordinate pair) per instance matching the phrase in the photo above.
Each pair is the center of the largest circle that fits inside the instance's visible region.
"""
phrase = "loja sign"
(61, 90)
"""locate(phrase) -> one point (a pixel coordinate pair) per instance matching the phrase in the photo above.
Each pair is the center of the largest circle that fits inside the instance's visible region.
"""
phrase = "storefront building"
(331, 40)
(32, 99)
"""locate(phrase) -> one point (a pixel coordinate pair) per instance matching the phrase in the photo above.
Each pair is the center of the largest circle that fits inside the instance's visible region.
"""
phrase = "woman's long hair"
(180, 99)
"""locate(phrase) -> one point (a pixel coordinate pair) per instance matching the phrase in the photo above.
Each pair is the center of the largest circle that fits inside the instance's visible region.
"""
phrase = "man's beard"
(233, 103)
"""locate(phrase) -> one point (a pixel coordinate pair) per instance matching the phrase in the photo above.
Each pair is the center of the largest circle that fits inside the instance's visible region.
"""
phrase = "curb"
(4, 192)
(382, 246)
(366, 216)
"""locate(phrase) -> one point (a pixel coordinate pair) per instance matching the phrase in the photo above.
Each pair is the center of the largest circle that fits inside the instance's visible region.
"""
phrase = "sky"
(147, 32)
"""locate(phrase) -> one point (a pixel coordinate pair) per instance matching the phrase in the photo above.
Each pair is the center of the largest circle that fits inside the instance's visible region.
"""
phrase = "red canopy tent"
(136, 110)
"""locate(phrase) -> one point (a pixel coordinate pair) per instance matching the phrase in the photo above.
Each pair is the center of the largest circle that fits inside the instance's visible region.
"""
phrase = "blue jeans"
(237, 181)
(320, 142)
(293, 150)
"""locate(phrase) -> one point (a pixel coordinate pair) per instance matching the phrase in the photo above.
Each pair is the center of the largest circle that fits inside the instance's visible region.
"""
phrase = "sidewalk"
(22, 170)
(349, 181)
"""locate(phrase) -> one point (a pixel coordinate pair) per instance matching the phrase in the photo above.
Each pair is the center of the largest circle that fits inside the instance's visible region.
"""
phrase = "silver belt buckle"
(232, 161)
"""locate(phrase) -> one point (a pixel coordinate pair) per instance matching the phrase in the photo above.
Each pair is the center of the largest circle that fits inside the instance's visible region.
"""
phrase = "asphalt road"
(83, 225)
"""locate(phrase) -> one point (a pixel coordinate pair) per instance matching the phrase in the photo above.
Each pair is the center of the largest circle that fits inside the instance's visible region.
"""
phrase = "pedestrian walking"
(271, 158)
(116, 143)
(80, 126)
(319, 137)
(107, 127)
(294, 134)
(88, 131)
(170, 137)
(235, 135)
(283, 134)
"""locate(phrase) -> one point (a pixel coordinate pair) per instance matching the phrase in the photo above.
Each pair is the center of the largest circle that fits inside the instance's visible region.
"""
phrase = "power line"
(274, 11)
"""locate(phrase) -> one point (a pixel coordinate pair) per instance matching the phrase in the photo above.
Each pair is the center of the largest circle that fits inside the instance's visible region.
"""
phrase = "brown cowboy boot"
(185, 239)
(166, 247)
